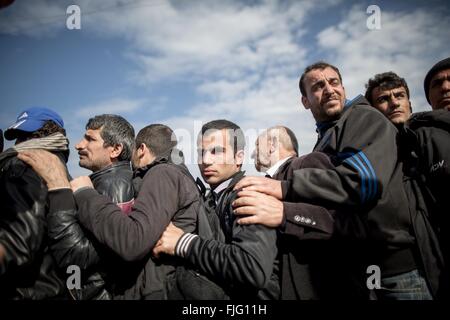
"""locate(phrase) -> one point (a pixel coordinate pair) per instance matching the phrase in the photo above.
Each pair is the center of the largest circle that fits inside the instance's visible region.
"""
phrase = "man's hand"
(81, 182)
(48, 166)
(263, 209)
(168, 241)
(268, 186)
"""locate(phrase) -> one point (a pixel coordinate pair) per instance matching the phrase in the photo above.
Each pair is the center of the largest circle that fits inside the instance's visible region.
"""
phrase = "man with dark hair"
(27, 268)
(106, 150)
(390, 94)
(151, 142)
(167, 193)
(426, 141)
(239, 259)
(366, 184)
(437, 85)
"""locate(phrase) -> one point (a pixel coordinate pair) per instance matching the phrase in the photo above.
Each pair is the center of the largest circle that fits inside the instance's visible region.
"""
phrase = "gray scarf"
(54, 142)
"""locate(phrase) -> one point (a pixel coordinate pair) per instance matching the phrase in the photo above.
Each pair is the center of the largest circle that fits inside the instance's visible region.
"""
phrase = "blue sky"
(183, 63)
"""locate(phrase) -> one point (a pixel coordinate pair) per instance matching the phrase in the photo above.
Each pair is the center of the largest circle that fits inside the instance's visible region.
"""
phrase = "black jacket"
(432, 133)
(426, 148)
(166, 194)
(71, 244)
(367, 180)
(28, 270)
(317, 262)
(244, 263)
(115, 181)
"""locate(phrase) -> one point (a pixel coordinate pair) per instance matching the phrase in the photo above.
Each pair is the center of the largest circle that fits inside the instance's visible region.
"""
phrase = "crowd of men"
(141, 227)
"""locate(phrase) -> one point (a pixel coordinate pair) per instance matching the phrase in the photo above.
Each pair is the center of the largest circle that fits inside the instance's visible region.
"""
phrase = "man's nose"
(328, 88)
(207, 158)
(446, 85)
(80, 145)
(394, 103)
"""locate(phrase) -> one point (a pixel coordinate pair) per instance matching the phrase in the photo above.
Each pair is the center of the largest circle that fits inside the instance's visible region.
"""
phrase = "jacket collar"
(174, 156)
(111, 168)
(233, 180)
(277, 166)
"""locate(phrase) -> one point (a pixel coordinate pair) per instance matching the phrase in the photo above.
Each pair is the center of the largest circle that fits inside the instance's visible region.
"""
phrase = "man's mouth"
(332, 98)
(208, 173)
(396, 113)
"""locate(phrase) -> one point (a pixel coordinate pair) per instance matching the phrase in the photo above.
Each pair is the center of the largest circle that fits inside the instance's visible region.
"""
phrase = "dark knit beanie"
(441, 65)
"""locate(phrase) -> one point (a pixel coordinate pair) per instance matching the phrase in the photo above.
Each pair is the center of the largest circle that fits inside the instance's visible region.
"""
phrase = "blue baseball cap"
(31, 120)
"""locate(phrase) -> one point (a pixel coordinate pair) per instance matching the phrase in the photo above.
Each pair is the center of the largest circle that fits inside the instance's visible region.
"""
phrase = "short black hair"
(47, 129)
(320, 65)
(159, 138)
(386, 81)
(114, 130)
(236, 133)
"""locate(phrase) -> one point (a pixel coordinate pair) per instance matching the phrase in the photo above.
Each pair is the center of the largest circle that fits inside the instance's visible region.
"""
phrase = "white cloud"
(115, 106)
(224, 39)
(33, 18)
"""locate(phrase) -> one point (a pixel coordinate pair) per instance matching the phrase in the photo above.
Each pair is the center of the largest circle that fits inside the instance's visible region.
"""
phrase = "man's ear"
(273, 145)
(305, 102)
(239, 157)
(116, 151)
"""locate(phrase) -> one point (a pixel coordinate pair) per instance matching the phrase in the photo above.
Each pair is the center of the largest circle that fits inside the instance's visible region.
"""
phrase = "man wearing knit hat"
(437, 85)
(27, 269)
(427, 141)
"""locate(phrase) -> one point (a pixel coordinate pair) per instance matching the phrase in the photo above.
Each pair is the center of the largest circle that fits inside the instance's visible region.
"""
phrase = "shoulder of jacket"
(366, 112)
(168, 171)
(16, 168)
(315, 155)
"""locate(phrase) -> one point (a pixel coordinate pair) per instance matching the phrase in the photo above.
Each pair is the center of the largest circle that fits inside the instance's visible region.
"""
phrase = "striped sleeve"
(183, 244)
(360, 162)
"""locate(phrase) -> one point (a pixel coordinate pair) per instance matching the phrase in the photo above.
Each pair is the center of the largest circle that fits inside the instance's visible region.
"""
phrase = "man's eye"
(334, 82)
(317, 86)
(436, 83)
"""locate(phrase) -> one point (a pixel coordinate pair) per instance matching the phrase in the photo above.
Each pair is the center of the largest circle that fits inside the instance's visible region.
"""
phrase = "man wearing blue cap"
(27, 269)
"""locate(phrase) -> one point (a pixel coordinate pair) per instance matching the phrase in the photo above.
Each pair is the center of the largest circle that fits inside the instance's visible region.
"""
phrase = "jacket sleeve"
(69, 243)
(132, 237)
(22, 224)
(303, 220)
(366, 159)
(248, 260)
